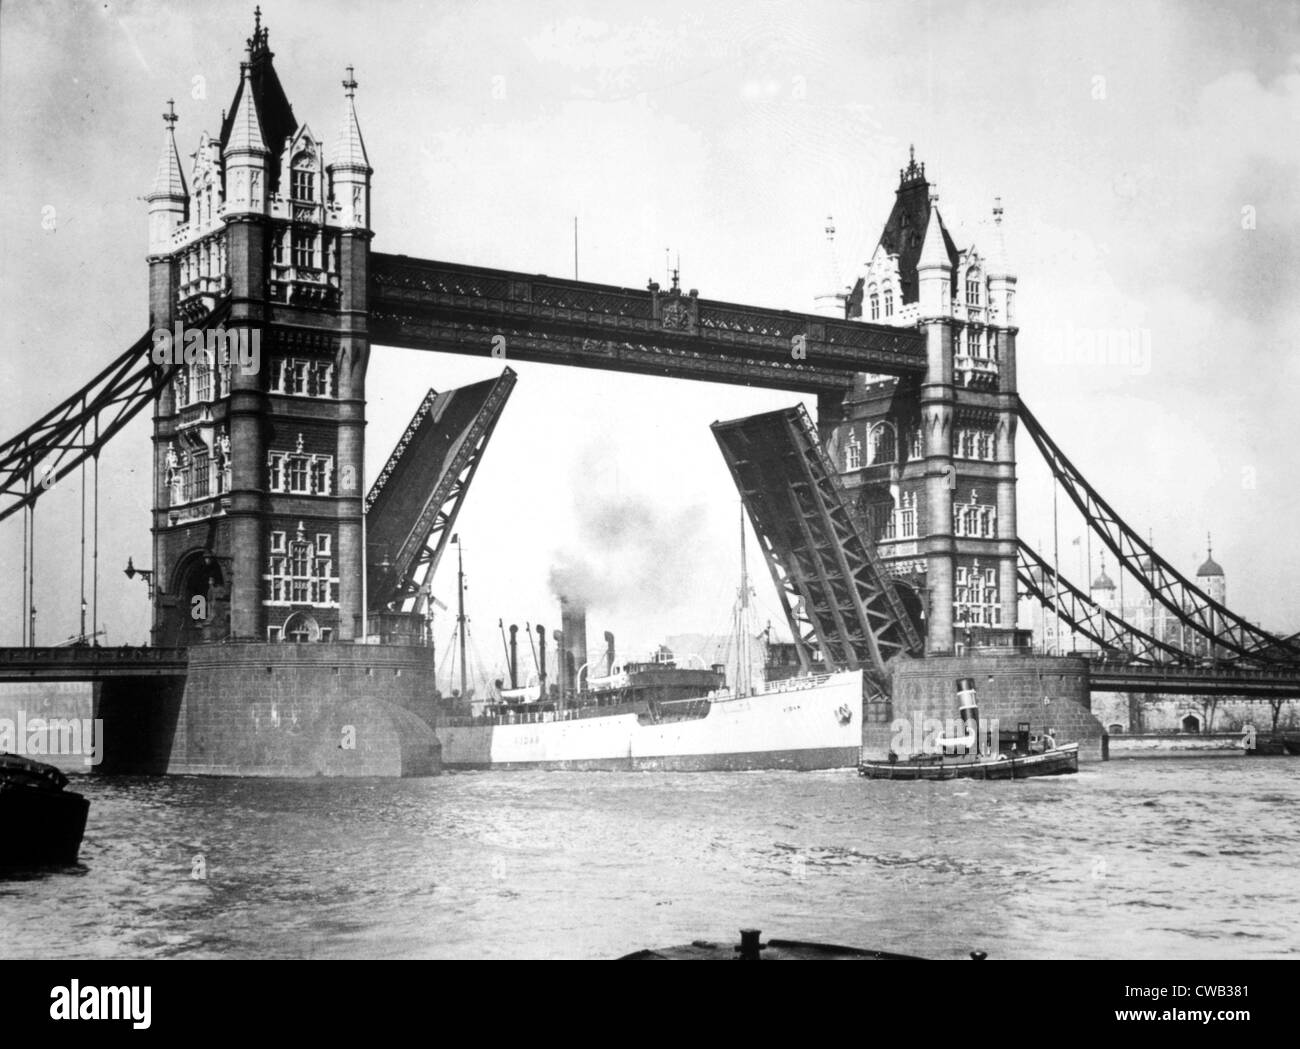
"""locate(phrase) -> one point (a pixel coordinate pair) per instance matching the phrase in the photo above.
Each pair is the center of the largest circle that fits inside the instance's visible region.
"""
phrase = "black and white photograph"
(602, 480)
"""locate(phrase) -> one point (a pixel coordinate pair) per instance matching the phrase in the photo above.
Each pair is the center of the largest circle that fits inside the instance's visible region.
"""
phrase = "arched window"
(853, 453)
(874, 298)
(884, 445)
(889, 302)
(972, 287)
(302, 184)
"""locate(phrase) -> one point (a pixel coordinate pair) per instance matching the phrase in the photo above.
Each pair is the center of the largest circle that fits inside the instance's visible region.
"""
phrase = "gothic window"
(889, 302)
(300, 474)
(916, 449)
(973, 287)
(304, 249)
(883, 444)
(299, 578)
(297, 474)
(907, 516)
(200, 486)
(975, 444)
(302, 378)
(320, 477)
(853, 453)
(279, 248)
(303, 180)
(874, 298)
(320, 380)
(202, 379)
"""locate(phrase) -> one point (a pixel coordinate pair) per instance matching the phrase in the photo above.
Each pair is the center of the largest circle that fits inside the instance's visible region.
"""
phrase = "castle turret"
(1211, 579)
(168, 198)
(1103, 589)
(246, 155)
(349, 172)
(1210, 574)
(349, 168)
(830, 301)
(934, 281)
(934, 268)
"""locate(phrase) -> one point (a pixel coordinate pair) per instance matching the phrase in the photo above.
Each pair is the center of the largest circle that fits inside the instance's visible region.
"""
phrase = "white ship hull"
(804, 723)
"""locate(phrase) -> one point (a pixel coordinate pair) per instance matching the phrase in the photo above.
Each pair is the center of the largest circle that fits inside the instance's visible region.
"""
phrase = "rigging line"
(83, 545)
(533, 645)
(22, 610)
(94, 554)
(31, 588)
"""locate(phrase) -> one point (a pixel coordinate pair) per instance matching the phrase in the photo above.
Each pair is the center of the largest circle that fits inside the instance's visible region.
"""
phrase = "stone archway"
(1191, 724)
(199, 587)
(300, 628)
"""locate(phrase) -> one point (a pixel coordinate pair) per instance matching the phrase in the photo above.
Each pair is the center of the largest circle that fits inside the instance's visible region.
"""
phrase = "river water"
(1128, 859)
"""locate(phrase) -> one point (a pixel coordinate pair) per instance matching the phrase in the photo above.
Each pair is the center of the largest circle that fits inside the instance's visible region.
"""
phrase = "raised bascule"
(289, 631)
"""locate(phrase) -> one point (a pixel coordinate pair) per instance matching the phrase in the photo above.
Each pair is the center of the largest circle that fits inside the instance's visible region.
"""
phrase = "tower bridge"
(889, 524)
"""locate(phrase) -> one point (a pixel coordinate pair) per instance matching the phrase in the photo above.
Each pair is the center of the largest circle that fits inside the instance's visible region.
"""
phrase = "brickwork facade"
(1010, 689)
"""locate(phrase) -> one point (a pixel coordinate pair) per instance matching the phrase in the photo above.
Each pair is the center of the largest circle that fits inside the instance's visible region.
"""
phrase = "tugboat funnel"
(968, 708)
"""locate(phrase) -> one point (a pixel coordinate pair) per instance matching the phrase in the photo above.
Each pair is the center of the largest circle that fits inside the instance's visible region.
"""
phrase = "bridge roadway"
(1276, 682)
(84, 663)
(425, 305)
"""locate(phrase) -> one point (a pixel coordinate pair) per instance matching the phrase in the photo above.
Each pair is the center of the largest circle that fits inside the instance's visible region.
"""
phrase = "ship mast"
(744, 671)
(460, 612)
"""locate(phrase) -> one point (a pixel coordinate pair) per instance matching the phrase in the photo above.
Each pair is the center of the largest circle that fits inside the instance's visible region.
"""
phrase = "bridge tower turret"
(934, 272)
(259, 439)
(932, 462)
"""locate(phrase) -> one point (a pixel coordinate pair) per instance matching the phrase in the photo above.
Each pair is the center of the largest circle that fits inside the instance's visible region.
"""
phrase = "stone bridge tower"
(258, 441)
(932, 463)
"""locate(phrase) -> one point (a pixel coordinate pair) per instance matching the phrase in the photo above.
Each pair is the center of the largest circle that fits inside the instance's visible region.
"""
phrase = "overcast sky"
(1147, 156)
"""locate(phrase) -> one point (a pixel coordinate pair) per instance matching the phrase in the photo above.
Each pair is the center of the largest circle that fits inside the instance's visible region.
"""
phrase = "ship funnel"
(573, 622)
(514, 656)
(562, 669)
(541, 660)
(609, 654)
(968, 708)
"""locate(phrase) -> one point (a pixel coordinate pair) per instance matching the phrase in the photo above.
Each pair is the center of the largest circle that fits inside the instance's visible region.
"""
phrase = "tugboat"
(43, 822)
(1020, 755)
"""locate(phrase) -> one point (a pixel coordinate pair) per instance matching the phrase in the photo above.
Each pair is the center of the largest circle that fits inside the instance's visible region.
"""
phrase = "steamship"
(657, 715)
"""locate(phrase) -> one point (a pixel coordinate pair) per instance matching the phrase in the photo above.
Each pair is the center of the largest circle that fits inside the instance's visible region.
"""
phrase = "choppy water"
(1129, 859)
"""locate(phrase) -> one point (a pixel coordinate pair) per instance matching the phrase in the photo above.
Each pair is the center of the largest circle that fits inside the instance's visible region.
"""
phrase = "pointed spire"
(914, 172)
(996, 263)
(349, 149)
(934, 253)
(1211, 566)
(246, 129)
(168, 180)
(257, 42)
